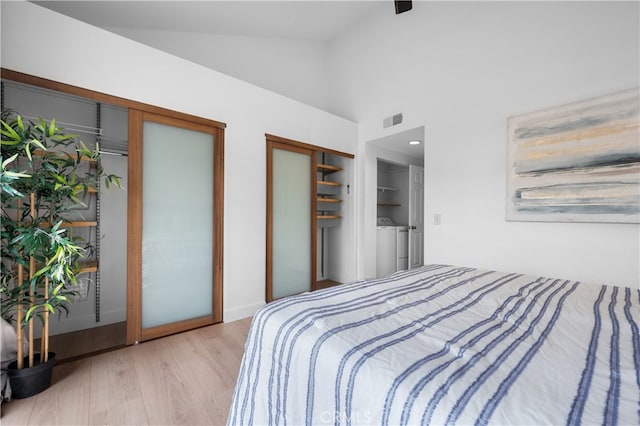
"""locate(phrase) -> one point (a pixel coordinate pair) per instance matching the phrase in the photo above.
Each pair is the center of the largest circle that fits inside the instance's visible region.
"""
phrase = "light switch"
(437, 219)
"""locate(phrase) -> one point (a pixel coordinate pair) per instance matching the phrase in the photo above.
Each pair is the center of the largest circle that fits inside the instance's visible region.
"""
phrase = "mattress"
(444, 345)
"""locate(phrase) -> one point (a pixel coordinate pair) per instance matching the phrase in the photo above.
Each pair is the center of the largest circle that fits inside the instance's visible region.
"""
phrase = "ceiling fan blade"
(402, 6)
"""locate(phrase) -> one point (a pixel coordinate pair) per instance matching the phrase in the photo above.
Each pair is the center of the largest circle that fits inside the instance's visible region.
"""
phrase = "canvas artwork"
(578, 162)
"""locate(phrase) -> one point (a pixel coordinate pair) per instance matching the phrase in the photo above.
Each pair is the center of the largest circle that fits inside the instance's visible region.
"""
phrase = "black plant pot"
(27, 381)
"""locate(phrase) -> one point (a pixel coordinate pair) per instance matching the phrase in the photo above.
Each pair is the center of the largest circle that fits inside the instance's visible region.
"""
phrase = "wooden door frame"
(278, 142)
(135, 331)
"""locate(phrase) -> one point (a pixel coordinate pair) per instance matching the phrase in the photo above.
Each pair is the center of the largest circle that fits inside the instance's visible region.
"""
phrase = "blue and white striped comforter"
(444, 344)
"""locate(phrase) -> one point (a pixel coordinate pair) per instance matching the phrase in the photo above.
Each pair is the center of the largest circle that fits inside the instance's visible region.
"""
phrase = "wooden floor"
(186, 378)
(319, 285)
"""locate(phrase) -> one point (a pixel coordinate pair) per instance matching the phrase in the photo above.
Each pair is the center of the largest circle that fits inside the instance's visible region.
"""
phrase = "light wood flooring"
(186, 378)
(319, 285)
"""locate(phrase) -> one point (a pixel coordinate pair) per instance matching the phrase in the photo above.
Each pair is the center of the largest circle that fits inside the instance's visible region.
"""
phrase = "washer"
(392, 247)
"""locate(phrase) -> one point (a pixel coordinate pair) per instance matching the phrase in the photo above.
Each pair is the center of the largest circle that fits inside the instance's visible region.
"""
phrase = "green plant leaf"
(29, 313)
(16, 174)
(57, 289)
(39, 144)
(6, 162)
(13, 138)
(27, 150)
(40, 272)
(52, 128)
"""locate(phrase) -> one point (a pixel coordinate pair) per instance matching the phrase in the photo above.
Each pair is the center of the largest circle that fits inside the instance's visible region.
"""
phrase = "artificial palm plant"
(45, 174)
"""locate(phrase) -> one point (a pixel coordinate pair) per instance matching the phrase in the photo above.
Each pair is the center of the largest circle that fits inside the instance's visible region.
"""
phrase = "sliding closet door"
(290, 240)
(174, 242)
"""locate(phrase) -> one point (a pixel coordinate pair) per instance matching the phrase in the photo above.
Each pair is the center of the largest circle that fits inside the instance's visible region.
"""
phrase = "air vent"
(392, 121)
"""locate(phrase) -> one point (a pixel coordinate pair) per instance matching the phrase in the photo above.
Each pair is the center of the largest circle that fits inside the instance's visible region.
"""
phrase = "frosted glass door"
(175, 209)
(291, 222)
(177, 224)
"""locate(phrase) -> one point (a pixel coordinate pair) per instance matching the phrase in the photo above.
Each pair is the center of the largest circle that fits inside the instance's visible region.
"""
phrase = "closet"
(139, 247)
(310, 218)
(101, 222)
(333, 193)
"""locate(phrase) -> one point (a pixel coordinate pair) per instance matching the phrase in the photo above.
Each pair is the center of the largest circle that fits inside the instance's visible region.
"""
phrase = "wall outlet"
(437, 219)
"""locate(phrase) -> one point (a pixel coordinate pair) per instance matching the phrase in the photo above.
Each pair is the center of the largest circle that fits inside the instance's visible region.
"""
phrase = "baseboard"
(241, 312)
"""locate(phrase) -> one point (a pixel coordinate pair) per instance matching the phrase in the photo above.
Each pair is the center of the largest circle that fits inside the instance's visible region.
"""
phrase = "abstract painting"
(578, 162)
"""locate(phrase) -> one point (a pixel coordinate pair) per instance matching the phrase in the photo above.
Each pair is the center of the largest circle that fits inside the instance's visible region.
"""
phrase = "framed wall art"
(578, 162)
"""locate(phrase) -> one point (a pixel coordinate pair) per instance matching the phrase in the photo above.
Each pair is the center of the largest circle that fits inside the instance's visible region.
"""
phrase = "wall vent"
(392, 121)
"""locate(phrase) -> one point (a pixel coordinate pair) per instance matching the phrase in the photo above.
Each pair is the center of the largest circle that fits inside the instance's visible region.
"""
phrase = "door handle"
(412, 227)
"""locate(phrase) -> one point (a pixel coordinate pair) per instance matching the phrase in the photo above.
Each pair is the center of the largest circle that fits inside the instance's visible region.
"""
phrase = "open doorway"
(394, 195)
(400, 217)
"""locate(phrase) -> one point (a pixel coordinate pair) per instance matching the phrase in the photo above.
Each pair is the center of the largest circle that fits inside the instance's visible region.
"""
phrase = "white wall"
(294, 68)
(462, 68)
(78, 54)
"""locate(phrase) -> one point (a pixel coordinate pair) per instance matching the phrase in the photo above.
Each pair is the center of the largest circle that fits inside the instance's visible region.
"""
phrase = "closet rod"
(114, 153)
(72, 126)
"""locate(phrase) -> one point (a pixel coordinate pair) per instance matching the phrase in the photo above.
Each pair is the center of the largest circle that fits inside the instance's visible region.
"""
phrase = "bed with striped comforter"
(444, 345)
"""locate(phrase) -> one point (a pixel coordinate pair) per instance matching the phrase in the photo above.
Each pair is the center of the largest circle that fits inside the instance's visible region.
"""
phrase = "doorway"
(400, 217)
(394, 203)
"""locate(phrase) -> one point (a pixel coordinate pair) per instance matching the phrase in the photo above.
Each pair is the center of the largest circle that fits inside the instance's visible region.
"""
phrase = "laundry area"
(393, 218)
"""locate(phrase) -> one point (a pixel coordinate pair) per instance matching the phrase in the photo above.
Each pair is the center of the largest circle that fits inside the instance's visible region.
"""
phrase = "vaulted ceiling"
(304, 20)
(316, 21)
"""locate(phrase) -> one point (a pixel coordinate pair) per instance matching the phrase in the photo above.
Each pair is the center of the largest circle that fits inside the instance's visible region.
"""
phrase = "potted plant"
(44, 176)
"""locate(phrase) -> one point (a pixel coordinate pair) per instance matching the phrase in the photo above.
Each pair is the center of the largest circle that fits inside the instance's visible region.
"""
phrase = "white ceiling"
(305, 20)
(399, 142)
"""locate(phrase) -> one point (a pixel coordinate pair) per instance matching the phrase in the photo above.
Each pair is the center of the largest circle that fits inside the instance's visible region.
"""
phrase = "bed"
(444, 345)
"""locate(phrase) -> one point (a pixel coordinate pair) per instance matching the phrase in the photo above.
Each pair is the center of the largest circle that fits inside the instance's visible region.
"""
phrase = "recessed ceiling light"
(415, 142)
